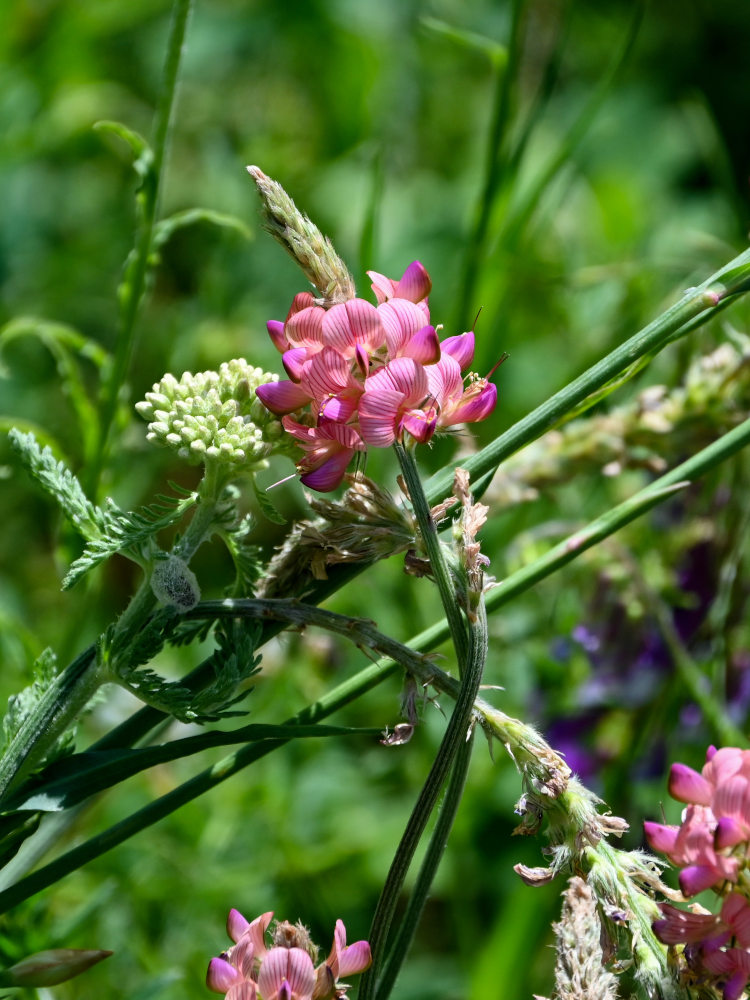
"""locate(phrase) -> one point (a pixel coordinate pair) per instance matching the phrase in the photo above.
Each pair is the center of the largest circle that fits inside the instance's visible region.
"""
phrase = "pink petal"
(221, 975)
(286, 972)
(305, 328)
(302, 300)
(282, 397)
(236, 925)
(696, 878)
(415, 283)
(404, 375)
(444, 380)
(356, 958)
(382, 286)
(350, 323)
(327, 374)
(420, 423)
(257, 932)
(461, 348)
(424, 346)
(684, 926)
(378, 414)
(473, 407)
(661, 838)
(401, 321)
(330, 474)
(729, 833)
(338, 409)
(293, 361)
(276, 332)
(243, 991)
(686, 785)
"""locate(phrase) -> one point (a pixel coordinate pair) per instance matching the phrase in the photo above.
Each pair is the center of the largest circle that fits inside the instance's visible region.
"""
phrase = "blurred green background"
(377, 118)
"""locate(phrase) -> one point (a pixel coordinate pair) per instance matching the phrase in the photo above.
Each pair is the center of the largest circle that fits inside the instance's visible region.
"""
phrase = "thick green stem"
(456, 733)
(438, 841)
(429, 534)
(134, 283)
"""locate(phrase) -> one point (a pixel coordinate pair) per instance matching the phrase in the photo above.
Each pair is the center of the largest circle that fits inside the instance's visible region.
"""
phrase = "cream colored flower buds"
(214, 415)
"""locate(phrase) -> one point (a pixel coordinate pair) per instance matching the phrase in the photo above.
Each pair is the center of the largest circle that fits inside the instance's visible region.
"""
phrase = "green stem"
(429, 534)
(132, 289)
(427, 871)
(732, 279)
(456, 733)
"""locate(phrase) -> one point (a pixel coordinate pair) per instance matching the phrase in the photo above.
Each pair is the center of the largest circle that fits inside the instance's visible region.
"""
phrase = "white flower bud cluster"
(214, 415)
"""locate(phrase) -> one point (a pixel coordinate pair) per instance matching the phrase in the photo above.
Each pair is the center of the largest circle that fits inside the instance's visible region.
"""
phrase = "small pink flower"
(329, 449)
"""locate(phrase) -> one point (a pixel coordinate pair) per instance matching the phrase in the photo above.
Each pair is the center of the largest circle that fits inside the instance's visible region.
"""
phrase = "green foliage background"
(376, 119)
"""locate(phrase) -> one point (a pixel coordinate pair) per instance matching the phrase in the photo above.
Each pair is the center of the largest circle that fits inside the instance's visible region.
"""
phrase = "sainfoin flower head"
(285, 969)
(712, 848)
(364, 375)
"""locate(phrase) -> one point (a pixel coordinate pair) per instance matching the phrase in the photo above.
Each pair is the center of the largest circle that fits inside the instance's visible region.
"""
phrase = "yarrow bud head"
(214, 416)
(256, 969)
(712, 847)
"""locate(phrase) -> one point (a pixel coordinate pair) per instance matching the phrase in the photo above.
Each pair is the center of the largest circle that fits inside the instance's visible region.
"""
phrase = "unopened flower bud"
(47, 968)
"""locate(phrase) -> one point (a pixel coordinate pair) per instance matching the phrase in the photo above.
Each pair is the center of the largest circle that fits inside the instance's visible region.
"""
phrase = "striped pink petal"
(286, 974)
(305, 329)
(350, 323)
(276, 332)
(401, 320)
(661, 838)
(424, 346)
(378, 416)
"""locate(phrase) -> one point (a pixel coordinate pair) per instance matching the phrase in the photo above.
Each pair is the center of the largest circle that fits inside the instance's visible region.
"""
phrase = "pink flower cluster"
(250, 970)
(711, 847)
(365, 375)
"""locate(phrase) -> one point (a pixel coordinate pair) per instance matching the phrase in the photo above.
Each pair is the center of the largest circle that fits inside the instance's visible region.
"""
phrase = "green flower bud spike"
(303, 241)
(215, 416)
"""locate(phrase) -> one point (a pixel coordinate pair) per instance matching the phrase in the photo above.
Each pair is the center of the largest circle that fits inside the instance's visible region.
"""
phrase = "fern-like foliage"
(106, 529)
(57, 480)
(245, 556)
(128, 532)
(233, 661)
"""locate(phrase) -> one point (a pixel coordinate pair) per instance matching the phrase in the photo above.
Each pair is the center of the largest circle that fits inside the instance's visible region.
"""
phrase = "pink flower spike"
(221, 976)
(661, 838)
(282, 397)
(686, 785)
(276, 332)
(286, 974)
(461, 348)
